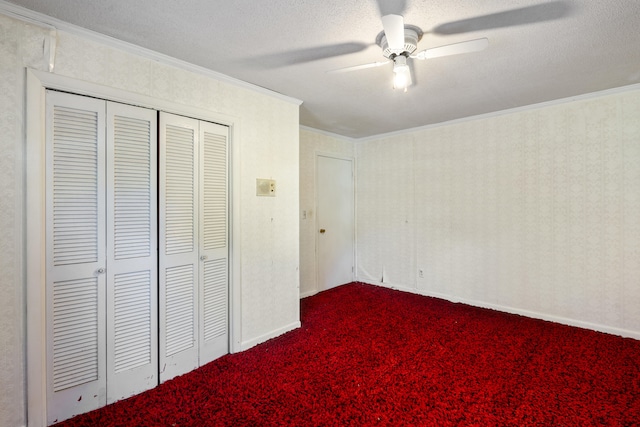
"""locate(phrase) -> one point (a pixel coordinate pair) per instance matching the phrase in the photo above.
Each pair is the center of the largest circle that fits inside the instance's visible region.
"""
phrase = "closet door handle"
(100, 271)
(203, 258)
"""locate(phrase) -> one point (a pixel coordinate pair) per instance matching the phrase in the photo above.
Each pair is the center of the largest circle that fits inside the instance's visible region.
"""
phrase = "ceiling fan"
(399, 43)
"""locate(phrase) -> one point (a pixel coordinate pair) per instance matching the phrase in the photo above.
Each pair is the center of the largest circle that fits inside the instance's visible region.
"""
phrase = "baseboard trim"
(308, 294)
(512, 310)
(246, 345)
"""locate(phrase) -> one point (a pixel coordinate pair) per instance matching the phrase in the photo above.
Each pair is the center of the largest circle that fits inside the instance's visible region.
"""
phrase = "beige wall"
(268, 139)
(312, 142)
(535, 212)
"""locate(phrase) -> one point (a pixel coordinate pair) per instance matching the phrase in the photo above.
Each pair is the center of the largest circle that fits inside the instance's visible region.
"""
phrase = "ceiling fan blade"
(300, 56)
(388, 7)
(453, 49)
(525, 15)
(358, 67)
(393, 26)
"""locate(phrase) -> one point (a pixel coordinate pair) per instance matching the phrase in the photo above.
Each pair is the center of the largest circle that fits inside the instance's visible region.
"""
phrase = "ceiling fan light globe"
(401, 78)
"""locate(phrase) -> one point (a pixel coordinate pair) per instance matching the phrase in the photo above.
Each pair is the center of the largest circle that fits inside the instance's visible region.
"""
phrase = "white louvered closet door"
(132, 277)
(214, 338)
(101, 231)
(179, 258)
(75, 255)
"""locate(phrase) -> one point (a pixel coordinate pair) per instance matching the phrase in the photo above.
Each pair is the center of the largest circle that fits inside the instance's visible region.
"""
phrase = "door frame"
(315, 207)
(36, 84)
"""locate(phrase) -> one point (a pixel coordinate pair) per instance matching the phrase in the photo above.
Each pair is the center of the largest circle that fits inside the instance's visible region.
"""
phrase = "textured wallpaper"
(312, 142)
(269, 141)
(12, 403)
(535, 211)
(269, 149)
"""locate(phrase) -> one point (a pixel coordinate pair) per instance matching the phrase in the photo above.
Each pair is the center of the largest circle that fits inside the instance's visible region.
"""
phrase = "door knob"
(203, 257)
(322, 230)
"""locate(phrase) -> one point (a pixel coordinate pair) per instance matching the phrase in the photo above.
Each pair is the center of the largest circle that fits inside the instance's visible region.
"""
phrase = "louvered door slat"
(180, 305)
(75, 333)
(132, 358)
(75, 236)
(75, 185)
(215, 299)
(215, 191)
(132, 195)
(132, 335)
(180, 190)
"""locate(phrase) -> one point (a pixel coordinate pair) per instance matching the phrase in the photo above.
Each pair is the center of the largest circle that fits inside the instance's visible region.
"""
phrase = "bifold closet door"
(132, 258)
(101, 253)
(214, 251)
(194, 280)
(179, 258)
(76, 258)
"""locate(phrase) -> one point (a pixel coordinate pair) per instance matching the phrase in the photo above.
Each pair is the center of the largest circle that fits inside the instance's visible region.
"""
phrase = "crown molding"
(48, 22)
(327, 133)
(546, 104)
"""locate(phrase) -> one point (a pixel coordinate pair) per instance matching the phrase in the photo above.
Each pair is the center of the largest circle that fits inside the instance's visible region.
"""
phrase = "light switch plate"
(265, 187)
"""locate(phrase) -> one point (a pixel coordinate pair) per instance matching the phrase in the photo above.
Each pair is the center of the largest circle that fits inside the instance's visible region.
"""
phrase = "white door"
(179, 219)
(335, 221)
(101, 256)
(213, 243)
(132, 251)
(194, 279)
(76, 256)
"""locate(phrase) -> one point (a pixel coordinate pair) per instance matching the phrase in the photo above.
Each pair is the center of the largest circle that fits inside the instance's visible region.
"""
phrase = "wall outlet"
(421, 274)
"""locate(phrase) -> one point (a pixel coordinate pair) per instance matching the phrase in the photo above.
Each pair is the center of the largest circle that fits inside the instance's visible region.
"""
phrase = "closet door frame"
(35, 160)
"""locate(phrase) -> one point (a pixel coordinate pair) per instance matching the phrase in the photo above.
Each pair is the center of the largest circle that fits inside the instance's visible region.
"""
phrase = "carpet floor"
(367, 355)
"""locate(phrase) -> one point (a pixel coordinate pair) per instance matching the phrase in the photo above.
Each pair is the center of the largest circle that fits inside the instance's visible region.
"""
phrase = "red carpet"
(367, 355)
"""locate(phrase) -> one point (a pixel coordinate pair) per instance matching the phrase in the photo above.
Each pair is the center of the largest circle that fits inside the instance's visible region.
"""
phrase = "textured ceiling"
(538, 51)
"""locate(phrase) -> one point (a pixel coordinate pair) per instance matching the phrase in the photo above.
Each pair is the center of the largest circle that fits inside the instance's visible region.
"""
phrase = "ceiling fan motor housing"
(412, 36)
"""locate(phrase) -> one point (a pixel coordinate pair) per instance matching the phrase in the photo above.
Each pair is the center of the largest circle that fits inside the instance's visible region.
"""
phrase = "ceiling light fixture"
(401, 73)
(399, 43)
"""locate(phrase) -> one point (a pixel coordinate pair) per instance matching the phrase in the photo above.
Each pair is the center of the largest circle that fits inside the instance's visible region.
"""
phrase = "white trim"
(235, 252)
(334, 156)
(42, 20)
(19, 243)
(308, 293)
(35, 252)
(25, 15)
(37, 82)
(546, 104)
(512, 310)
(246, 345)
(327, 133)
(70, 84)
